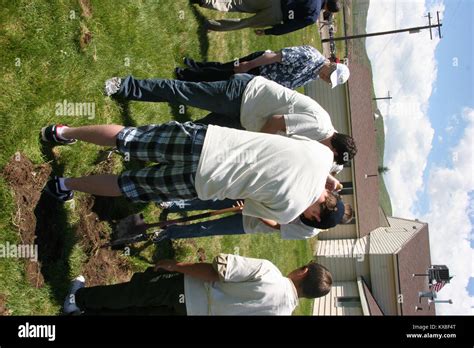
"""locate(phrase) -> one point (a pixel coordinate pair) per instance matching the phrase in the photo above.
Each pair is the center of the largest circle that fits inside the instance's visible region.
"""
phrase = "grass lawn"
(47, 57)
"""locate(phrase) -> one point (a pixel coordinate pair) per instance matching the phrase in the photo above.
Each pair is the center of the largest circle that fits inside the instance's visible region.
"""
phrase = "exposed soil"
(86, 8)
(3, 306)
(27, 181)
(41, 220)
(103, 265)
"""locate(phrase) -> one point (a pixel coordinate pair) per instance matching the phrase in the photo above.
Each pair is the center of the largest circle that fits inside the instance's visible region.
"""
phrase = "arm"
(288, 27)
(264, 59)
(271, 223)
(274, 124)
(202, 271)
(237, 269)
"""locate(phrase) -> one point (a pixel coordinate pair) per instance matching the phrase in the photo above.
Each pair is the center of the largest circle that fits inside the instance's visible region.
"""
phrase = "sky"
(429, 129)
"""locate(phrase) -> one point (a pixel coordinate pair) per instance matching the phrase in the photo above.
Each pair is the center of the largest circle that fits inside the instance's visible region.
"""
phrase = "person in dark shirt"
(282, 16)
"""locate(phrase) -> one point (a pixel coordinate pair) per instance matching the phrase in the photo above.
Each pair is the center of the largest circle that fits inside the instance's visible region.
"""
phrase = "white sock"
(62, 184)
(59, 132)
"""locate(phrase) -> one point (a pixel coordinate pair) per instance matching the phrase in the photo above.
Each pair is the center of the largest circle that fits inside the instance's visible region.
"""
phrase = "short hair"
(333, 5)
(345, 147)
(317, 282)
(348, 214)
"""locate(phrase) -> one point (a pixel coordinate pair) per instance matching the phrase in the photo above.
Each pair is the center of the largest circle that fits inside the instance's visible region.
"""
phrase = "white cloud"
(396, 68)
(452, 124)
(449, 130)
(409, 135)
(449, 223)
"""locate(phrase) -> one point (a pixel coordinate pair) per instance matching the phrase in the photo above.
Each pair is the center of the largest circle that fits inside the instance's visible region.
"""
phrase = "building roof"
(414, 257)
(365, 162)
(374, 308)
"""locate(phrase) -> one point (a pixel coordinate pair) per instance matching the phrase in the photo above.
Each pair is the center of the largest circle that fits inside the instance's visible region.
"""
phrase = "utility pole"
(388, 97)
(410, 30)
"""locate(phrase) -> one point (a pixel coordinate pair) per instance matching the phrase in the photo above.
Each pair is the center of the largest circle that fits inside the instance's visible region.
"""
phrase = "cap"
(329, 220)
(334, 217)
(340, 75)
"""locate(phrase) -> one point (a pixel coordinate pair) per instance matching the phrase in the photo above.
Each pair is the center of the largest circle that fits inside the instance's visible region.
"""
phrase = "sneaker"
(50, 134)
(70, 306)
(53, 189)
(112, 86)
(160, 235)
(190, 63)
(178, 73)
(166, 205)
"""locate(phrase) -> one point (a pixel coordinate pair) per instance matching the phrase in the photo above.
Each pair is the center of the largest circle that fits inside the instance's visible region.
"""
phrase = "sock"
(59, 132)
(62, 184)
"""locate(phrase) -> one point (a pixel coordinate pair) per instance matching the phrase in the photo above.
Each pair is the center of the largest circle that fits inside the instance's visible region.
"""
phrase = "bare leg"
(104, 135)
(100, 185)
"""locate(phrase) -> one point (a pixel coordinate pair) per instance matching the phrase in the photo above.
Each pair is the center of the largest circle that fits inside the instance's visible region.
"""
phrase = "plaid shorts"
(175, 146)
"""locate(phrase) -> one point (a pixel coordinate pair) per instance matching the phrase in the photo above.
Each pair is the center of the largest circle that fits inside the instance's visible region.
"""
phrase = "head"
(332, 6)
(312, 280)
(328, 214)
(344, 148)
(334, 73)
(313, 212)
(348, 214)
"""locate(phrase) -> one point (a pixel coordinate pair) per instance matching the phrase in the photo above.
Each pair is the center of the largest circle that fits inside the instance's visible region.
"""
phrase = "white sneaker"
(160, 235)
(166, 205)
(112, 86)
(70, 306)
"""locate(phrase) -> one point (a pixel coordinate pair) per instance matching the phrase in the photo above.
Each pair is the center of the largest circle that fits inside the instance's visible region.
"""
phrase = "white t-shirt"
(278, 177)
(250, 287)
(293, 230)
(263, 98)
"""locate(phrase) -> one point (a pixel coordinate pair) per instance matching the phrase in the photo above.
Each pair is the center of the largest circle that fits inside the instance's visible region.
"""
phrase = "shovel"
(133, 228)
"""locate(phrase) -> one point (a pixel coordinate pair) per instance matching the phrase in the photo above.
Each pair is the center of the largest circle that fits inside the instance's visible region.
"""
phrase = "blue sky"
(454, 85)
(429, 128)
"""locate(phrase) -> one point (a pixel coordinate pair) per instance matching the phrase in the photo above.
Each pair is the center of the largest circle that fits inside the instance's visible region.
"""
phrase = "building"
(373, 258)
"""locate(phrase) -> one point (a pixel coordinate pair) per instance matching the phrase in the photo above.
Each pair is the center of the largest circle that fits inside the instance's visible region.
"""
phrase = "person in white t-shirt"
(231, 285)
(279, 178)
(299, 228)
(251, 102)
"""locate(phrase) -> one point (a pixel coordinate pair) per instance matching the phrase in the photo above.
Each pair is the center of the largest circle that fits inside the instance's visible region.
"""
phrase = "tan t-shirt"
(303, 116)
(247, 286)
(278, 177)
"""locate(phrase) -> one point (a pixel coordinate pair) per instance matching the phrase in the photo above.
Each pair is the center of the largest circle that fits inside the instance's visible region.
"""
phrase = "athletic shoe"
(53, 189)
(50, 134)
(70, 306)
(160, 235)
(112, 86)
(190, 63)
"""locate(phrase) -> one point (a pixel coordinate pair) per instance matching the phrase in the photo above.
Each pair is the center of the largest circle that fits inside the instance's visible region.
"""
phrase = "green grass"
(43, 64)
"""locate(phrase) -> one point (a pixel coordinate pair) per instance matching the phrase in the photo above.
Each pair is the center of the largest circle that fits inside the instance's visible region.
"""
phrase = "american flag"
(438, 286)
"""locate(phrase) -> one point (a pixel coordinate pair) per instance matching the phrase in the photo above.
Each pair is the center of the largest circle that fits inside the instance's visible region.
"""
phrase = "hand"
(259, 32)
(239, 204)
(323, 197)
(242, 67)
(332, 184)
(168, 265)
